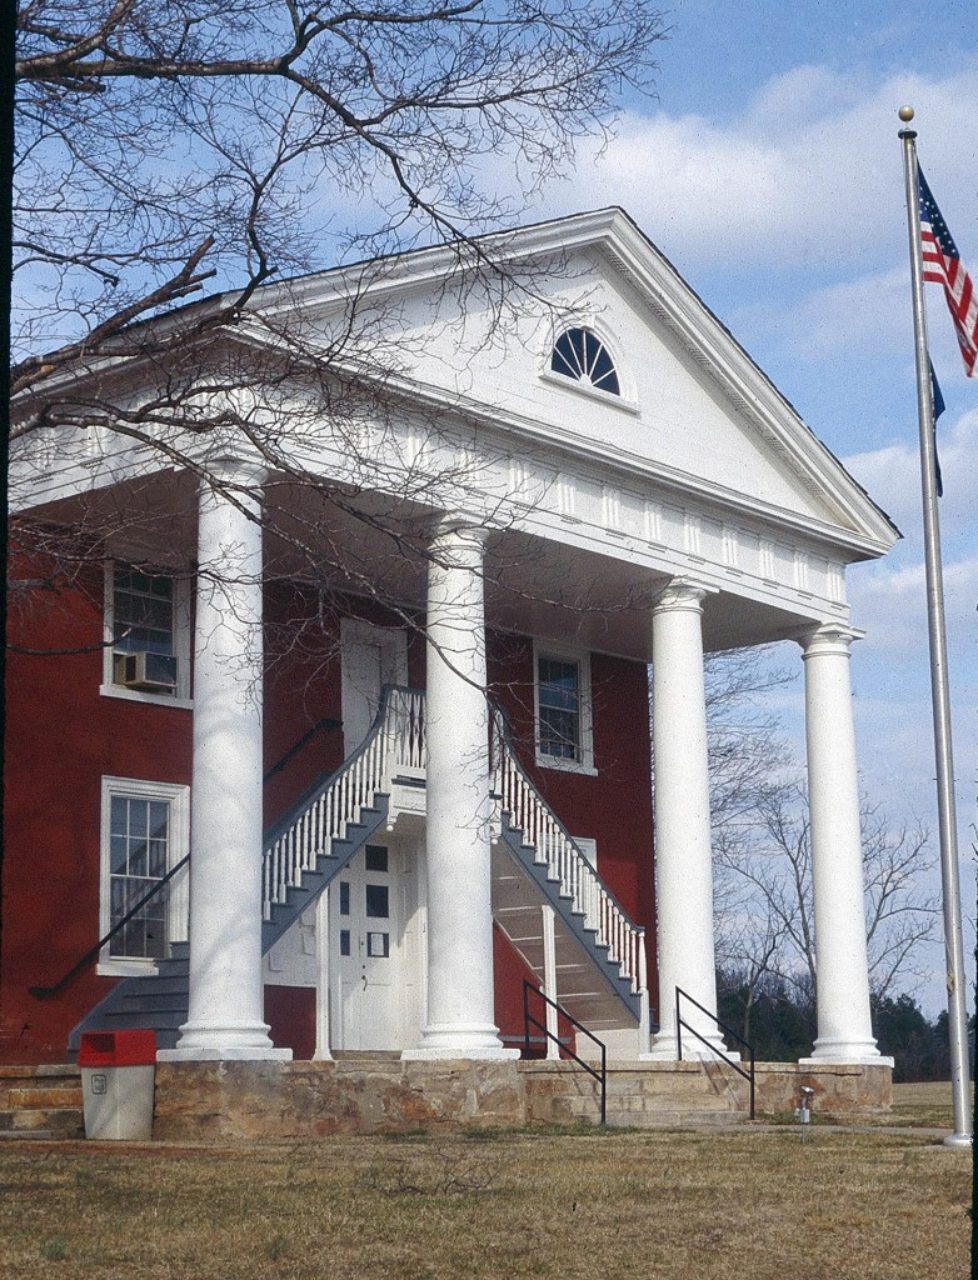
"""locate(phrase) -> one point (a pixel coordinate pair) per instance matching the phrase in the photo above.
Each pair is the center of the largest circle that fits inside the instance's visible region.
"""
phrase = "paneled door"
(365, 952)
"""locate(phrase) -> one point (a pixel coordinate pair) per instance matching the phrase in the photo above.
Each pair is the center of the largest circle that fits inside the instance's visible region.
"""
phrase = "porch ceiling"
(369, 546)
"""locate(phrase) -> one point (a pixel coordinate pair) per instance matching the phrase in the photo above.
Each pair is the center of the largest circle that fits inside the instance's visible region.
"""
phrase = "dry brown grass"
(765, 1204)
(923, 1104)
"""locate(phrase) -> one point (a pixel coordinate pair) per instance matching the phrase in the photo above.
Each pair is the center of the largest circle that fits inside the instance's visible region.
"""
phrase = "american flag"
(942, 265)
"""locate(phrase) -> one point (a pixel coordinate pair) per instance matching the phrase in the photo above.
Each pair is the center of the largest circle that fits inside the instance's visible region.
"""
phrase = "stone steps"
(41, 1102)
(641, 1095)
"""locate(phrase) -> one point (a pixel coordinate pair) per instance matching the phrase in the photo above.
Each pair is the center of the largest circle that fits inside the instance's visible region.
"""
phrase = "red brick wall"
(63, 736)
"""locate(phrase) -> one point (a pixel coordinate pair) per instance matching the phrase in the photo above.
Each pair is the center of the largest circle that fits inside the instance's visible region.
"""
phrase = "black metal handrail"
(528, 1018)
(327, 722)
(44, 993)
(729, 1031)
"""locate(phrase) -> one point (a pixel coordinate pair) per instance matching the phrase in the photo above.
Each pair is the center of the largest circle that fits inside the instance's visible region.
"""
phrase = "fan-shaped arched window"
(581, 355)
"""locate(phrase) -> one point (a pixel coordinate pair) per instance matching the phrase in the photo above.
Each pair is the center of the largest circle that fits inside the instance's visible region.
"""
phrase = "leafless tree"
(165, 146)
(162, 144)
(748, 757)
(777, 896)
(765, 926)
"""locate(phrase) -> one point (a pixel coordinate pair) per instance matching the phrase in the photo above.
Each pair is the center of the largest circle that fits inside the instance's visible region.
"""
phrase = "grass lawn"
(768, 1204)
(924, 1104)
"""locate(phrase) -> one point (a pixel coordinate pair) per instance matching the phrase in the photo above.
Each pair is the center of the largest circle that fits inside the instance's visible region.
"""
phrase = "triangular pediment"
(695, 415)
(695, 411)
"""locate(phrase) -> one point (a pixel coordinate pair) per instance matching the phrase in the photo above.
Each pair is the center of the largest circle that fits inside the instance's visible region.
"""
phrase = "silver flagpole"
(947, 823)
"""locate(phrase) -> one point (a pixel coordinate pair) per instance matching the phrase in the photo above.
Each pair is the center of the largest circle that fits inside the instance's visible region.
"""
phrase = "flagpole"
(947, 822)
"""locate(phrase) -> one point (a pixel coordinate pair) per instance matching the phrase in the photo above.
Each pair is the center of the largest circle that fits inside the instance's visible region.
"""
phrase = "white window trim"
(582, 388)
(543, 649)
(589, 848)
(181, 646)
(178, 796)
(627, 397)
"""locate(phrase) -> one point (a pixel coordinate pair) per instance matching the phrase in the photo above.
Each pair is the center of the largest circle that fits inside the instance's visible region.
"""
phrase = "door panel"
(365, 953)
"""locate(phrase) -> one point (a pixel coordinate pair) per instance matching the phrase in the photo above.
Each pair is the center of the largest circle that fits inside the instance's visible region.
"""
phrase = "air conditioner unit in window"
(150, 672)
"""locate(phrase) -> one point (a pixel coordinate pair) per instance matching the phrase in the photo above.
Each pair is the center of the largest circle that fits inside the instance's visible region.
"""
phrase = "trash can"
(118, 1074)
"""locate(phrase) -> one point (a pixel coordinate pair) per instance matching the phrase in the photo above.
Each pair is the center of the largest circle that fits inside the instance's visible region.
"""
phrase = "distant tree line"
(778, 1018)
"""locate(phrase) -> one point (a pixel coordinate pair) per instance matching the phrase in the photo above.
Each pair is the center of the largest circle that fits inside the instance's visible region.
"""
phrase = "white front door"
(365, 951)
(368, 906)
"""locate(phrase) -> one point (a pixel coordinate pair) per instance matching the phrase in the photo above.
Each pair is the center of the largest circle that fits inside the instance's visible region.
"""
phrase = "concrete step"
(366, 1055)
(39, 1082)
(144, 1019)
(66, 1122)
(162, 984)
(682, 1118)
(44, 1100)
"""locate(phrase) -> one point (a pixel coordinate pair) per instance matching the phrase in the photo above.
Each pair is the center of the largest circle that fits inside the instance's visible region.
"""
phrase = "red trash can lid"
(117, 1049)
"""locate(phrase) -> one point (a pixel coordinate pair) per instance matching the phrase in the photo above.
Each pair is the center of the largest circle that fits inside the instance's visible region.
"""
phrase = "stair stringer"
(160, 1001)
(629, 1001)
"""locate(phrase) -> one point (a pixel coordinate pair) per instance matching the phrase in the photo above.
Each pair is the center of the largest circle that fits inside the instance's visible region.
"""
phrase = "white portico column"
(844, 1030)
(226, 1016)
(683, 856)
(461, 1022)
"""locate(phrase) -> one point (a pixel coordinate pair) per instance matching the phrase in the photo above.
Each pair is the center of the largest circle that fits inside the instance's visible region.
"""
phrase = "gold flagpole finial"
(905, 114)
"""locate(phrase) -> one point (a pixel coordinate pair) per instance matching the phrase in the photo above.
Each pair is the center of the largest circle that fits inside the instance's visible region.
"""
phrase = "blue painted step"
(159, 1001)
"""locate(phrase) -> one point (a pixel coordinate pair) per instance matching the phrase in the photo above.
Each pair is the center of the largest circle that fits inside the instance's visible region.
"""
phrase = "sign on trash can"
(118, 1075)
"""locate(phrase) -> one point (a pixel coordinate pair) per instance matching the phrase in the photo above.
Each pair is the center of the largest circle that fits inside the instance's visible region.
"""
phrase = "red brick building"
(340, 731)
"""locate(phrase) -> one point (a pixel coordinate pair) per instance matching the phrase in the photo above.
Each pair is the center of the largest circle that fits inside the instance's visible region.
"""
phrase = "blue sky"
(769, 171)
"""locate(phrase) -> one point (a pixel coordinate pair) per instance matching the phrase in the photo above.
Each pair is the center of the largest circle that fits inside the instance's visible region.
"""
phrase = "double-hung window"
(563, 710)
(147, 634)
(145, 833)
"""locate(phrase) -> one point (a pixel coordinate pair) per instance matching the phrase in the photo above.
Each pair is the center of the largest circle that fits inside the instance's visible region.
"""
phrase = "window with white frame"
(589, 847)
(579, 354)
(563, 709)
(145, 833)
(147, 634)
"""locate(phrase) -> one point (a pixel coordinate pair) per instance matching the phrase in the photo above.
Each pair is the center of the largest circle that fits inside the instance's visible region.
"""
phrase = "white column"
(323, 984)
(844, 1030)
(226, 1014)
(550, 978)
(460, 1019)
(683, 855)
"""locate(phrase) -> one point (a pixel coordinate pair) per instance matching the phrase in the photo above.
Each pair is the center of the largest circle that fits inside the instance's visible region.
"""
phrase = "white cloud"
(892, 475)
(865, 317)
(891, 603)
(809, 173)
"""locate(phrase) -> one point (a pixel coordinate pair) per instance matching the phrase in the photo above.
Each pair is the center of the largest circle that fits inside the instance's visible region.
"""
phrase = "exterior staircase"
(646, 1095)
(600, 954)
(600, 962)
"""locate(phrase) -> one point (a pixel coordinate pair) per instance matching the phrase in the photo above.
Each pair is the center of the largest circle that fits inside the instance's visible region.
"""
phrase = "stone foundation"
(245, 1100)
(317, 1099)
(639, 1094)
(841, 1090)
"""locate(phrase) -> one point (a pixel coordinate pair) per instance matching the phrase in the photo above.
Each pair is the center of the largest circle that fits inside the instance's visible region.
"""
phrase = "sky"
(769, 171)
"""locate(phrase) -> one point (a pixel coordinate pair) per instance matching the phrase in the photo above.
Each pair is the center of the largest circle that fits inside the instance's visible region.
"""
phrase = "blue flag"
(938, 402)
